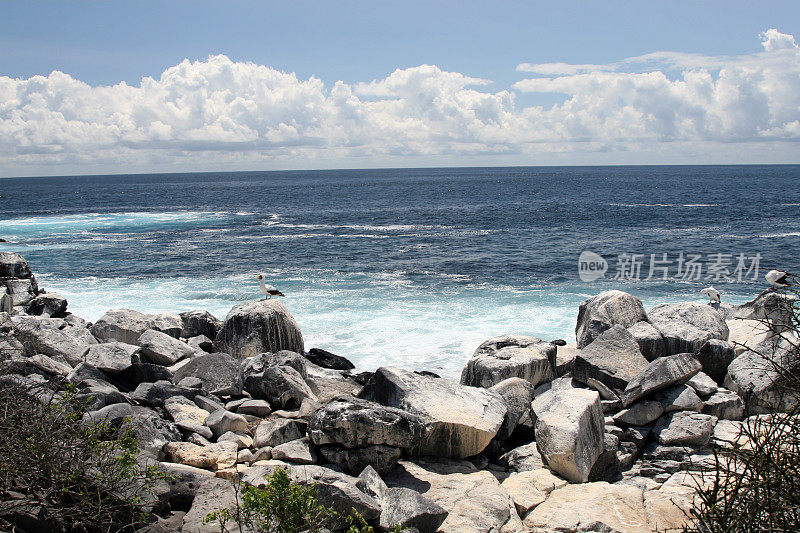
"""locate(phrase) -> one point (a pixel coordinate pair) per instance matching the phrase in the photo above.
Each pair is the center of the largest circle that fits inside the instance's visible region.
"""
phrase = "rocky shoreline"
(610, 433)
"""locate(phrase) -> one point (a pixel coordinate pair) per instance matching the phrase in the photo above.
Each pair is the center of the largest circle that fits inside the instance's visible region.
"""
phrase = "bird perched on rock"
(777, 278)
(712, 293)
(268, 290)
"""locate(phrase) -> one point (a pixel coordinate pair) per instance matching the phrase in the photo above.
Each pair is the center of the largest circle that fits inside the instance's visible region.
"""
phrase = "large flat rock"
(474, 500)
(126, 325)
(619, 507)
(687, 326)
(510, 356)
(355, 423)
(460, 420)
(40, 337)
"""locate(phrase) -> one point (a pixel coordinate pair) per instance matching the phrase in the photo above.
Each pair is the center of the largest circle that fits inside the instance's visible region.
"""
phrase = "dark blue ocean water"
(410, 266)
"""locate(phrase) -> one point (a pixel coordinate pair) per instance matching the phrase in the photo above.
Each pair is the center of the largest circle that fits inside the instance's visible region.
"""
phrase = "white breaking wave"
(374, 319)
(109, 221)
(774, 235)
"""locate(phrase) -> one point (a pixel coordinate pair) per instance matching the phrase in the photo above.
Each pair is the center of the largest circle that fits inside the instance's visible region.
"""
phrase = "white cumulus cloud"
(222, 110)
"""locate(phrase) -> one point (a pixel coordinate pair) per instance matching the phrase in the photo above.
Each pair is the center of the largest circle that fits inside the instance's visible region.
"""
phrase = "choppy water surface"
(406, 267)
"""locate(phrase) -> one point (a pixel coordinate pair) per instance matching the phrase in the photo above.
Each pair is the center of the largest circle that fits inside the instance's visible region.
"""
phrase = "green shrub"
(58, 470)
(756, 482)
(283, 506)
(280, 507)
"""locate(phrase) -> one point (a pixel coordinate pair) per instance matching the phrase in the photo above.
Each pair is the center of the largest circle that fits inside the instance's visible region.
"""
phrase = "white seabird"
(712, 293)
(268, 290)
(777, 278)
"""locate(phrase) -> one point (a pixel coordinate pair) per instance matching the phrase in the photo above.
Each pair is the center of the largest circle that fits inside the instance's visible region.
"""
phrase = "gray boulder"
(497, 359)
(758, 376)
(126, 325)
(640, 413)
(278, 431)
(13, 265)
(187, 415)
(123, 325)
(725, 405)
(155, 394)
(651, 343)
(217, 371)
(211, 495)
(258, 326)
(605, 310)
(50, 304)
(460, 420)
(380, 457)
(409, 509)
(151, 431)
(355, 423)
(112, 414)
(111, 356)
(517, 393)
(299, 451)
(523, 458)
(715, 357)
(142, 371)
(660, 374)
(687, 326)
(200, 343)
(613, 359)
(569, 431)
(326, 359)
(565, 357)
(10, 346)
(38, 337)
(167, 323)
(679, 398)
(259, 408)
(703, 385)
(199, 323)
(162, 349)
(474, 499)
(282, 386)
(771, 305)
(684, 428)
(22, 291)
(222, 421)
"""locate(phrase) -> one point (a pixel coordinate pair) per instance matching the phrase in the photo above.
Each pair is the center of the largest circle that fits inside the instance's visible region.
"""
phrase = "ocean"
(408, 267)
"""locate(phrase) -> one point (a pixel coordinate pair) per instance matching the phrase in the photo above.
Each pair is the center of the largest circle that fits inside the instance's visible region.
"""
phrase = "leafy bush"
(756, 485)
(58, 470)
(282, 506)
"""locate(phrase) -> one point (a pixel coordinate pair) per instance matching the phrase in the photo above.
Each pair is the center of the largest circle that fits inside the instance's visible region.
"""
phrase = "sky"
(145, 86)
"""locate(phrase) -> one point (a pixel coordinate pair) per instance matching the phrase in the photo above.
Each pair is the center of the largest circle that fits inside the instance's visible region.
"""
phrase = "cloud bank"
(222, 110)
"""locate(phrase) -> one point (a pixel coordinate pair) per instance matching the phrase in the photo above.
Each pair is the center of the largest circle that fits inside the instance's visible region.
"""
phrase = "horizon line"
(367, 169)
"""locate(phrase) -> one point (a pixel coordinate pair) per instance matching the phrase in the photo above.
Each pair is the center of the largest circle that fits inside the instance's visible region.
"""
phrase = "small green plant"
(755, 485)
(281, 506)
(70, 473)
